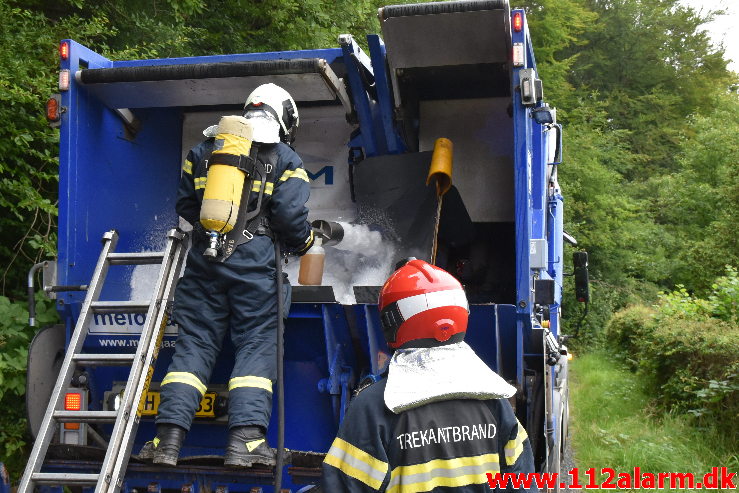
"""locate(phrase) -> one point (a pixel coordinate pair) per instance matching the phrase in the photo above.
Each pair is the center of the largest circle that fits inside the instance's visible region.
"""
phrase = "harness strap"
(255, 221)
(247, 164)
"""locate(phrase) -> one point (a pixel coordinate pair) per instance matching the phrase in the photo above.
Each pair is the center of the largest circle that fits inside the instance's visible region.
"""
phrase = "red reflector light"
(52, 110)
(73, 401)
(517, 22)
(64, 51)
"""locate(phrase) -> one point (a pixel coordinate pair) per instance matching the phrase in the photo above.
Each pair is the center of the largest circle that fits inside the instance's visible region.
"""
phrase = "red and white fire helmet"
(422, 305)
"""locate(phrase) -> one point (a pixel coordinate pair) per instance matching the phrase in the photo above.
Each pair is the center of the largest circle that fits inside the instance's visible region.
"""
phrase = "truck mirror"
(582, 284)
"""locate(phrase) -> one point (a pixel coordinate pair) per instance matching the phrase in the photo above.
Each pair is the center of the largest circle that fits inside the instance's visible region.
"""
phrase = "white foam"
(363, 258)
(143, 280)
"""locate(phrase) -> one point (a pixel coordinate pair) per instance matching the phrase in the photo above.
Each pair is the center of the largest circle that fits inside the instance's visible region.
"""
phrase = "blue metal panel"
(555, 230)
(523, 189)
(384, 94)
(379, 353)
(73, 122)
(110, 182)
(482, 334)
(354, 56)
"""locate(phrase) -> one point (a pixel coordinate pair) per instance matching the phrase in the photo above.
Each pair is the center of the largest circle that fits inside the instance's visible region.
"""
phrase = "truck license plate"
(207, 408)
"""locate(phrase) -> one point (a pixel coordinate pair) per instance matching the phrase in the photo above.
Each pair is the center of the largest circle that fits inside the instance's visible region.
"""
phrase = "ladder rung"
(135, 258)
(64, 478)
(85, 416)
(119, 306)
(104, 359)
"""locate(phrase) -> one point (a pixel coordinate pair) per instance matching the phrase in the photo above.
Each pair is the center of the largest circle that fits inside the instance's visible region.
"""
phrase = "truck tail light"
(73, 401)
(64, 50)
(517, 22)
(53, 109)
(64, 80)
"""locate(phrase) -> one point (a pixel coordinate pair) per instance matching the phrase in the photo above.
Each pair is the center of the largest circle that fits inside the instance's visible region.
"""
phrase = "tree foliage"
(648, 114)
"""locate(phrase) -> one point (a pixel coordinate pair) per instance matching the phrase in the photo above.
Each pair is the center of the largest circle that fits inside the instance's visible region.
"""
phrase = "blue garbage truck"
(462, 70)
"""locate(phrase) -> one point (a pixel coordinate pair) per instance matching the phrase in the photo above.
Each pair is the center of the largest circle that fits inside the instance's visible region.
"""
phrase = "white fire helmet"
(277, 102)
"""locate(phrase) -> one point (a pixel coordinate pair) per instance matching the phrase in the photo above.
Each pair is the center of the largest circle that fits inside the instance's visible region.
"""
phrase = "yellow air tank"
(225, 183)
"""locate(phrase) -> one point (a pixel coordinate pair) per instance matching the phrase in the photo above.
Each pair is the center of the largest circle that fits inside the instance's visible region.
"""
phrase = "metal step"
(104, 359)
(119, 307)
(142, 258)
(64, 478)
(85, 416)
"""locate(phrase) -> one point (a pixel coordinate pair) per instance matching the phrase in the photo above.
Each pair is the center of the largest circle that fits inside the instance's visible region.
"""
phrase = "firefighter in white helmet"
(235, 288)
(441, 420)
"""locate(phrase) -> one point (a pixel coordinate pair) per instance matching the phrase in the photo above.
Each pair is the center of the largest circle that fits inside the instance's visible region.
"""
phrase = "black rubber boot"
(165, 447)
(248, 446)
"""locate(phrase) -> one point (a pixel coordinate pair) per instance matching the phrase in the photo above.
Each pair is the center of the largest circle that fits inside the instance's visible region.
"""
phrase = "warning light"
(517, 22)
(52, 109)
(73, 401)
(570, 356)
(64, 80)
(64, 50)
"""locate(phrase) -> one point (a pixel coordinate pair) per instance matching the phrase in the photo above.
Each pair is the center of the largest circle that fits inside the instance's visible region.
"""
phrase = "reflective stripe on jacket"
(447, 446)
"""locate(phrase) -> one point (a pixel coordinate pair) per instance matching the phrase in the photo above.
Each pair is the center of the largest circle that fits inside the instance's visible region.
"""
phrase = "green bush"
(687, 348)
(694, 367)
(628, 328)
(724, 300)
(15, 339)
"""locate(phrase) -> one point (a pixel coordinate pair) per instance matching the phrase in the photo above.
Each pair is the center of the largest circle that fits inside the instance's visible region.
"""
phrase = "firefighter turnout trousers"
(211, 298)
(446, 446)
(236, 297)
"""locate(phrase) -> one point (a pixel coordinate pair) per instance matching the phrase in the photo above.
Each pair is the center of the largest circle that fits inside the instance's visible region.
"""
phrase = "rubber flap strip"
(441, 8)
(201, 71)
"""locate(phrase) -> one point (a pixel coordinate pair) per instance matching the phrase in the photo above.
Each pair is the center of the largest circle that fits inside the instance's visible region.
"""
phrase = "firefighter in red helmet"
(440, 421)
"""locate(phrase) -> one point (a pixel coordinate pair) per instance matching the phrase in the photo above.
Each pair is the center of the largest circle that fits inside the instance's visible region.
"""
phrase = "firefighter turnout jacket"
(237, 296)
(446, 446)
(287, 193)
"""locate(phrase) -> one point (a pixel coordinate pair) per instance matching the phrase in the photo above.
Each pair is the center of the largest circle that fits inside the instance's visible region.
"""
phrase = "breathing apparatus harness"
(249, 222)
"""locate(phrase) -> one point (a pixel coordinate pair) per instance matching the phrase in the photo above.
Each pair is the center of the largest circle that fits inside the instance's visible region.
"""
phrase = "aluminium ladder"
(126, 418)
